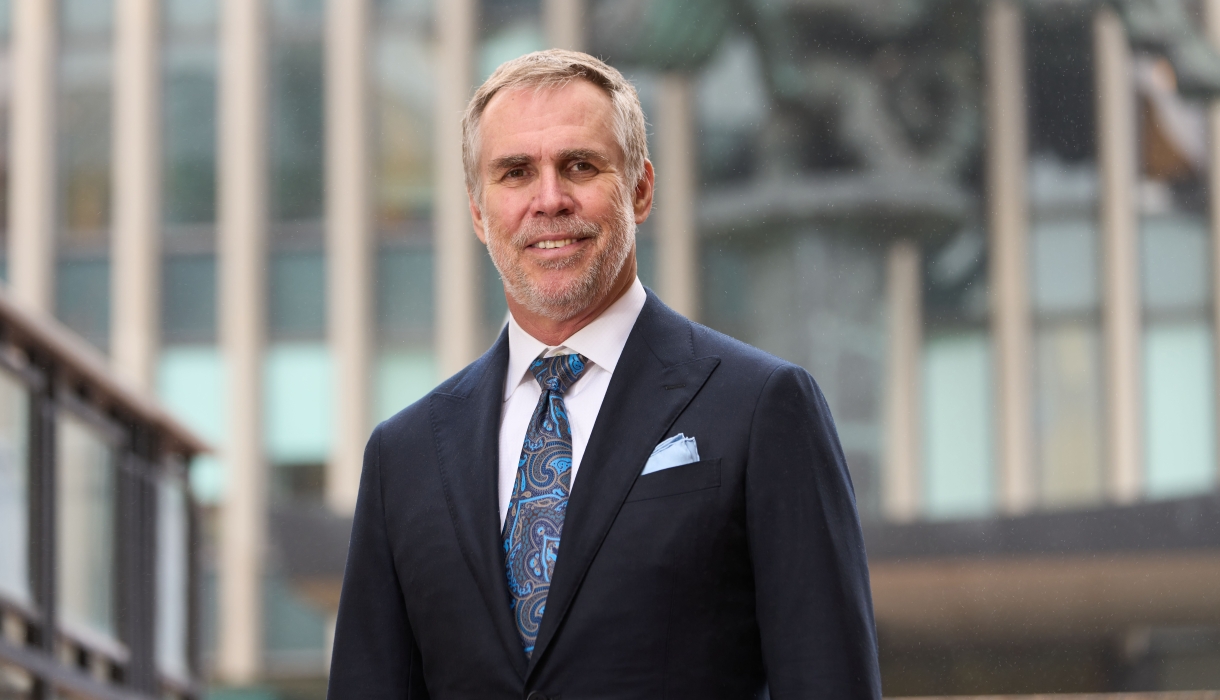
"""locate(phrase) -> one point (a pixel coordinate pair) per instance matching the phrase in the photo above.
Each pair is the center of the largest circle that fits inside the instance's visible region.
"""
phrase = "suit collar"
(601, 341)
(657, 375)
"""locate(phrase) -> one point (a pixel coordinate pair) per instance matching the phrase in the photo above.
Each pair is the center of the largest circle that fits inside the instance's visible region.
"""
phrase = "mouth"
(560, 243)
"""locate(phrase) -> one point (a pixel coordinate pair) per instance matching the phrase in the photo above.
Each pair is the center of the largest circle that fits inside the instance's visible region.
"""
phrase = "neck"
(553, 332)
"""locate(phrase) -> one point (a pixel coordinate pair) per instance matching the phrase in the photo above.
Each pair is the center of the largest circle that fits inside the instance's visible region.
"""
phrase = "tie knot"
(560, 372)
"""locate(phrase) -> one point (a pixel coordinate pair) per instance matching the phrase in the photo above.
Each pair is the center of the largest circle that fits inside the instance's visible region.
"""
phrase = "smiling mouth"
(546, 245)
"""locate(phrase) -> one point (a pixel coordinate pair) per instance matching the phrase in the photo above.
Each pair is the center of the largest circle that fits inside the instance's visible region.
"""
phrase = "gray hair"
(556, 68)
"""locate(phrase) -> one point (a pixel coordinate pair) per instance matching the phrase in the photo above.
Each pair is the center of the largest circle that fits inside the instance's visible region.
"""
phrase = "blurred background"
(987, 227)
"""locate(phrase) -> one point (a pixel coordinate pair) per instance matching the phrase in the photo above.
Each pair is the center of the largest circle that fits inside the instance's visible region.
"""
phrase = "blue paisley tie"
(540, 496)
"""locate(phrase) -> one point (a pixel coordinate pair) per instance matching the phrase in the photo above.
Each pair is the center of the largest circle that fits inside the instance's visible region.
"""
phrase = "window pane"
(404, 114)
(172, 577)
(1175, 263)
(297, 307)
(14, 489)
(401, 379)
(188, 307)
(190, 130)
(404, 294)
(84, 140)
(85, 525)
(1065, 266)
(298, 403)
(958, 468)
(1180, 409)
(296, 97)
(1069, 414)
(82, 296)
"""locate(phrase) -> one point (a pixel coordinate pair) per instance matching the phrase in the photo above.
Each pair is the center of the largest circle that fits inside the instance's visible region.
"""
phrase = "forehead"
(540, 122)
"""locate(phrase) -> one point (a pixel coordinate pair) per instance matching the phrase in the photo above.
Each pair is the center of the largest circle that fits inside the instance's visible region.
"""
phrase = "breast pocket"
(696, 476)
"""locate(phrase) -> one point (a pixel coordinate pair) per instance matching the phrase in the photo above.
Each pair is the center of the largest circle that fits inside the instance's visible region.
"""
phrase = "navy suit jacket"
(710, 580)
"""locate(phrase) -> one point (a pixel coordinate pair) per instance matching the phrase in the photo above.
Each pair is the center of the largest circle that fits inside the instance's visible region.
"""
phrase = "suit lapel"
(466, 427)
(656, 377)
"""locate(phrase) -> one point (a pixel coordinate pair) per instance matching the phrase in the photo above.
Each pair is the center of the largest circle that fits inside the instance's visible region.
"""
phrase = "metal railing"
(90, 457)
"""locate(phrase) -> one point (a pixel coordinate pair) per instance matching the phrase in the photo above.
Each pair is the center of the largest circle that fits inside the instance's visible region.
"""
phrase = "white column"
(349, 242)
(1121, 327)
(903, 483)
(136, 238)
(677, 248)
(457, 249)
(242, 299)
(1008, 224)
(32, 222)
(564, 21)
(1211, 12)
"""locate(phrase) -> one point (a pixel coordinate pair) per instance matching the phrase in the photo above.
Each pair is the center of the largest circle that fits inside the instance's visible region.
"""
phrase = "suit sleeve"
(374, 655)
(814, 607)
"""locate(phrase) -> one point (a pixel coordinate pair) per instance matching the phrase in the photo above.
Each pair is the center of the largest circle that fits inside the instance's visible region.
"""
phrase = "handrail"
(26, 327)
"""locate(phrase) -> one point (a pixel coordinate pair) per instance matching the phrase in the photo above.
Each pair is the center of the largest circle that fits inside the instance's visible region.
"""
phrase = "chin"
(557, 302)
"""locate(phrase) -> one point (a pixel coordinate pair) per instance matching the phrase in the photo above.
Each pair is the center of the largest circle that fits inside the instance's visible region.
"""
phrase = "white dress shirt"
(601, 342)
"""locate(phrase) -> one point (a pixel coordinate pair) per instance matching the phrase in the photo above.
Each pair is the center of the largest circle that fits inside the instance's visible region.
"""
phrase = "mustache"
(572, 226)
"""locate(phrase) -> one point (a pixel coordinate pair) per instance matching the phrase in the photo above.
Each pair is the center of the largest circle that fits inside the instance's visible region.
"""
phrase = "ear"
(641, 196)
(476, 217)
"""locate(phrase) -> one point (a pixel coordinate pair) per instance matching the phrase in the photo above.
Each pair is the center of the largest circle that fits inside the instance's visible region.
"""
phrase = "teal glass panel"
(415, 10)
(958, 464)
(1180, 409)
(191, 14)
(297, 10)
(646, 259)
(495, 304)
(191, 385)
(516, 39)
(173, 572)
(82, 297)
(85, 526)
(295, 632)
(1065, 259)
(86, 16)
(14, 489)
(402, 379)
(188, 301)
(1174, 254)
(297, 303)
(298, 403)
(405, 294)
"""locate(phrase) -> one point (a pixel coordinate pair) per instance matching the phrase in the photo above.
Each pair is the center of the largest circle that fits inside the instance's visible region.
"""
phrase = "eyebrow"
(583, 154)
(517, 160)
(512, 161)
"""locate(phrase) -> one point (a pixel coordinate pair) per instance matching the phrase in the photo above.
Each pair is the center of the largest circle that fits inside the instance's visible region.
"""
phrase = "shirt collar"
(602, 341)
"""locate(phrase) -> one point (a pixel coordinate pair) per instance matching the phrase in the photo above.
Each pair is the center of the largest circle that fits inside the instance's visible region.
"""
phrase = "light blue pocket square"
(674, 452)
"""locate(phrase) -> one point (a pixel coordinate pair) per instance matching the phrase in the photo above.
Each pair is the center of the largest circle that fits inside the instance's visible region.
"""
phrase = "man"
(612, 502)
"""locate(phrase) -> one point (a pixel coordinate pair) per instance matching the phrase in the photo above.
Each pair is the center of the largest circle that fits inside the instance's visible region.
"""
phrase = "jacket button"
(535, 695)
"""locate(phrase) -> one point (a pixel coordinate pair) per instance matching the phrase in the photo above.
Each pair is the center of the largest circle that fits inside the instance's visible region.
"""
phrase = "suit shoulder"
(736, 354)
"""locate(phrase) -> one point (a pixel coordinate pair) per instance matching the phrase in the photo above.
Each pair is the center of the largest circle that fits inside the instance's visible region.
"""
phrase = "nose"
(553, 197)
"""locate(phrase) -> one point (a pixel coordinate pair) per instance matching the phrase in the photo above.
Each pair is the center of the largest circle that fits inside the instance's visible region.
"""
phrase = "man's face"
(557, 215)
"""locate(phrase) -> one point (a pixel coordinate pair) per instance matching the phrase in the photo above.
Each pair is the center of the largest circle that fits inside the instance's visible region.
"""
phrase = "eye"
(582, 167)
(515, 173)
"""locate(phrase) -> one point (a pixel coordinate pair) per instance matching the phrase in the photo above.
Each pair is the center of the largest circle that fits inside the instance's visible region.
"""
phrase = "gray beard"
(569, 302)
